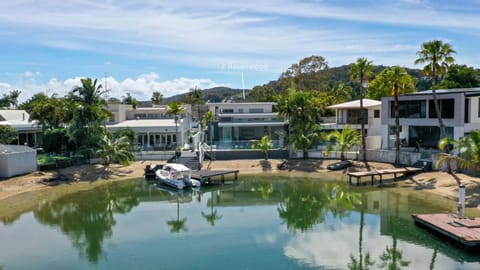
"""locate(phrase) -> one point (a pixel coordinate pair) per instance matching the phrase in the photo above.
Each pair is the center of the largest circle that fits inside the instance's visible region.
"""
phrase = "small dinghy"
(339, 165)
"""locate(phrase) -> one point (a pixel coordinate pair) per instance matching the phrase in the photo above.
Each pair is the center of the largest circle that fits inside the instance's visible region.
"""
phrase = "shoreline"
(23, 192)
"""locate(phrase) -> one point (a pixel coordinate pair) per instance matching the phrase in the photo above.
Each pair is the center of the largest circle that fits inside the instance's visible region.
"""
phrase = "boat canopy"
(177, 167)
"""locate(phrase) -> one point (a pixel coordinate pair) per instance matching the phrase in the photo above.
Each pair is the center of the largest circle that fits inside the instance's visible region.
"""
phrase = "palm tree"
(128, 99)
(437, 56)
(207, 118)
(394, 81)
(344, 140)
(157, 98)
(90, 112)
(468, 149)
(112, 150)
(175, 109)
(265, 144)
(195, 97)
(361, 71)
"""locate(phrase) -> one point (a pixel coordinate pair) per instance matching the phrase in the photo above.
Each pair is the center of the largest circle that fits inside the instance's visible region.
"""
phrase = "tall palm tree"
(437, 56)
(394, 81)
(468, 151)
(90, 111)
(175, 109)
(361, 71)
(157, 98)
(344, 140)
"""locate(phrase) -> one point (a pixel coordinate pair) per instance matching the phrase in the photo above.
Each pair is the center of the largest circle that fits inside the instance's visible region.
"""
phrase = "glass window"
(447, 107)
(409, 109)
(255, 110)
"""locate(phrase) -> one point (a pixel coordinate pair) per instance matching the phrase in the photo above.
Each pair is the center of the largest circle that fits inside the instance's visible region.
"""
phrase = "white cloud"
(141, 87)
(30, 74)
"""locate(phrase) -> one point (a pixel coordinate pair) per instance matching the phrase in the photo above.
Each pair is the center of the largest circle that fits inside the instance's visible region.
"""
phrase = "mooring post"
(461, 200)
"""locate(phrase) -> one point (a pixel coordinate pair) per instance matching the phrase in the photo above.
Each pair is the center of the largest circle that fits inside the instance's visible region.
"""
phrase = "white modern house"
(460, 110)
(29, 132)
(156, 130)
(349, 113)
(238, 125)
(17, 160)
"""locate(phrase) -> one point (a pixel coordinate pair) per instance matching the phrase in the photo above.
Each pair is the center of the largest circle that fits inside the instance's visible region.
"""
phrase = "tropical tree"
(344, 140)
(130, 100)
(175, 109)
(265, 144)
(195, 97)
(10, 99)
(157, 98)
(302, 110)
(394, 81)
(460, 76)
(114, 100)
(127, 132)
(205, 121)
(468, 149)
(89, 113)
(304, 74)
(7, 134)
(115, 150)
(50, 112)
(361, 71)
(437, 56)
(264, 93)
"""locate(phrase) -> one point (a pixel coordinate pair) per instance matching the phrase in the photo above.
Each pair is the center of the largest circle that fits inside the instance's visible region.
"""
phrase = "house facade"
(29, 132)
(349, 113)
(418, 120)
(156, 130)
(239, 125)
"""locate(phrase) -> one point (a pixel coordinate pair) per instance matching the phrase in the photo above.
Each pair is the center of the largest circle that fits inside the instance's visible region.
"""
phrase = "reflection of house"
(155, 129)
(349, 113)
(237, 125)
(28, 132)
(418, 121)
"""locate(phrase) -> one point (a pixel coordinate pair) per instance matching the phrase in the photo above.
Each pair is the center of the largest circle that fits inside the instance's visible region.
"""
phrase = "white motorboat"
(174, 175)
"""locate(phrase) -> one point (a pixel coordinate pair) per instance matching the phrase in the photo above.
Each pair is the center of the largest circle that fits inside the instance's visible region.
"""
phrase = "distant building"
(418, 120)
(154, 127)
(29, 132)
(349, 113)
(238, 125)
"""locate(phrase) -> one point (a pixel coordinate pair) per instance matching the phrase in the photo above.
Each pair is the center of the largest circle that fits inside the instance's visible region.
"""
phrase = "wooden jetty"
(380, 173)
(465, 231)
(207, 175)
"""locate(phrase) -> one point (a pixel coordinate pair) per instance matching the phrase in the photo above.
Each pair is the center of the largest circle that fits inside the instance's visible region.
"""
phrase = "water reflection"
(213, 216)
(306, 223)
(87, 217)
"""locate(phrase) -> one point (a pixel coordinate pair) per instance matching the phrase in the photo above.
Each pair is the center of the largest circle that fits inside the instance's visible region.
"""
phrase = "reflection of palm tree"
(392, 257)
(265, 188)
(89, 224)
(178, 225)
(432, 261)
(362, 263)
(213, 216)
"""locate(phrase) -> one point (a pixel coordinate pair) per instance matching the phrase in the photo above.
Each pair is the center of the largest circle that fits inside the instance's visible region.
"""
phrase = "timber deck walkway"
(207, 175)
(380, 173)
(465, 231)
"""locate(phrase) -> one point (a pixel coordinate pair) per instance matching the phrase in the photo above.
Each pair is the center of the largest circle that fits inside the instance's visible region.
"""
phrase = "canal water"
(256, 223)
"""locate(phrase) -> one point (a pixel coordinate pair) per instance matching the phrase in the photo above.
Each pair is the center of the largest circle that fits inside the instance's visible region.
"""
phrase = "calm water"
(255, 224)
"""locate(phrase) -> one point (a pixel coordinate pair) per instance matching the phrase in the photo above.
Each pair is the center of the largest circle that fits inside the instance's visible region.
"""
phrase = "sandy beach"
(22, 192)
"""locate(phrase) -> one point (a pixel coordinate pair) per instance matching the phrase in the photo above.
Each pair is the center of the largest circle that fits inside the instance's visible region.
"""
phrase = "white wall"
(12, 164)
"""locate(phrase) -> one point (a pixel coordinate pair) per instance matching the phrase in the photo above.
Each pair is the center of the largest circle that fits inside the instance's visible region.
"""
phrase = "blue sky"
(141, 46)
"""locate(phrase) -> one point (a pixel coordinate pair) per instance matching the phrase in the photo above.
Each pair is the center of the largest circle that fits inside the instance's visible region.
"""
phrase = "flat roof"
(355, 104)
(250, 124)
(465, 91)
(241, 103)
(145, 123)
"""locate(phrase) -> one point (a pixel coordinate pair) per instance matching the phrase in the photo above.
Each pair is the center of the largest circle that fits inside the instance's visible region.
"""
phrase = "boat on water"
(174, 175)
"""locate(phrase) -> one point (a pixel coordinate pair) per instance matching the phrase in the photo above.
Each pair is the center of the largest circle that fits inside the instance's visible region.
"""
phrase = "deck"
(380, 173)
(207, 175)
(465, 231)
